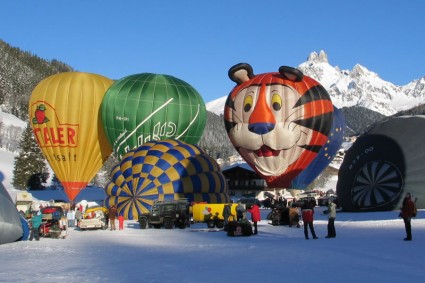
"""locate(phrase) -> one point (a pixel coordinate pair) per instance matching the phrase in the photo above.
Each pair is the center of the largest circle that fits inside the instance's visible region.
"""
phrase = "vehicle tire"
(143, 223)
(220, 224)
(182, 224)
(168, 224)
(210, 224)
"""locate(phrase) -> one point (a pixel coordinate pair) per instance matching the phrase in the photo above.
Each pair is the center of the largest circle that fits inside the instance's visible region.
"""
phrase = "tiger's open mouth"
(266, 151)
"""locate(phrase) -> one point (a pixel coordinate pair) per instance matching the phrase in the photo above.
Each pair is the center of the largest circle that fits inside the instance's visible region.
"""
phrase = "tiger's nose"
(261, 128)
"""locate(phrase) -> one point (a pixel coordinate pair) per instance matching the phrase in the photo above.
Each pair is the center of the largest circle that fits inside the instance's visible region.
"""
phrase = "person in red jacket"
(255, 216)
(307, 212)
(121, 222)
(407, 212)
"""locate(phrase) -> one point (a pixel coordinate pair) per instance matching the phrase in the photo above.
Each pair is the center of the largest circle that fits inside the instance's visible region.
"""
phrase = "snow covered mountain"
(356, 87)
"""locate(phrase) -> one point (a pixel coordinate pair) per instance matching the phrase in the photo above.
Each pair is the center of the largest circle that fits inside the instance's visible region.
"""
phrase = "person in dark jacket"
(240, 211)
(113, 213)
(35, 224)
(407, 212)
(255, 216)
(227, 212)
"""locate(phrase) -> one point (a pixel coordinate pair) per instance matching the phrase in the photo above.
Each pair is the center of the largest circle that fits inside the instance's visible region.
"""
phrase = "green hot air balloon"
(149, 107)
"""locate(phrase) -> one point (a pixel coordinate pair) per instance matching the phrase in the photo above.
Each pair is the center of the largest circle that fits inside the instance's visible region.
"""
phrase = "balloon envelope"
(325, 155)
(161, 170)
(11, 228)
(64, 115)
(144, 107)
(383, 164)
(278, 122)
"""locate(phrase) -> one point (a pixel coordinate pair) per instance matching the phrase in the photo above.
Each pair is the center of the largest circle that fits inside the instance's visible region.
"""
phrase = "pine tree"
(56, 183)
(30, 170)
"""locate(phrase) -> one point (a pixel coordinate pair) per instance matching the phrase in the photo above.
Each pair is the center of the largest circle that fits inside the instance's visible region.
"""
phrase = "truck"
(94, 218)
(212, 213)
(23, 203)
(167, 214)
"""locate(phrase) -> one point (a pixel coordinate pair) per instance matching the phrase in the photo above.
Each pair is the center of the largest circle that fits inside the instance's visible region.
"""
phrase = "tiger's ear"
(291, 74)
(240, 73)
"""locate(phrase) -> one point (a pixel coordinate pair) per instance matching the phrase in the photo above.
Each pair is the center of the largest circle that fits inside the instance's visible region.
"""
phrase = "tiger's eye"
(276, 102)
(247, 103)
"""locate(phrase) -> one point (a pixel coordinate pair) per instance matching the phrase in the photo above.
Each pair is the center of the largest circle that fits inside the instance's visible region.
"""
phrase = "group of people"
(408, 211)
(241, 209)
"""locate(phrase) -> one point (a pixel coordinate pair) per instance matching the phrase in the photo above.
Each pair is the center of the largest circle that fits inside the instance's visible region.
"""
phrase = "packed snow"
(369, 247)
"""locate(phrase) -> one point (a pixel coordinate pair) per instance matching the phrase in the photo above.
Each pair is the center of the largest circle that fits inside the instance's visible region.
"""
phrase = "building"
(243, 181)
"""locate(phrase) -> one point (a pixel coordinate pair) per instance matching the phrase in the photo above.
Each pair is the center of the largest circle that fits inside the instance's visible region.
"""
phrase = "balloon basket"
(239, 228)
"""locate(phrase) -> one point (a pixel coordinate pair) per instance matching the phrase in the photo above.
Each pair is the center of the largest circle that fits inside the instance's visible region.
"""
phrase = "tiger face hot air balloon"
(164, 170)
(277, 121)
(144, 107)
(64, 116)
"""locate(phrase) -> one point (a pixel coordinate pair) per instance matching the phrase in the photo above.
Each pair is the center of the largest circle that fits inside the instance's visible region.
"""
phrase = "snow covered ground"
(369, 248)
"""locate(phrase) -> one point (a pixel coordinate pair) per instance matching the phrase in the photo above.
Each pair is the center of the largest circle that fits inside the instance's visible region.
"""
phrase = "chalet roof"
(242, 165)
(240, 171)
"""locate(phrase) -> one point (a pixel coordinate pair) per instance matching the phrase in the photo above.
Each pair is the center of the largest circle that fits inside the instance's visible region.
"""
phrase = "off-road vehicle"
(167, 214)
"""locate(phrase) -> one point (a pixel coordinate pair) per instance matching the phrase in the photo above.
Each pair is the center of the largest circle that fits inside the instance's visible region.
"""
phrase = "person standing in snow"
(307, 212)
(121, 222)
(106, 216)
(240, 210)
(255, 216)
(35, 224)
(113, 212)
(227, 212)
(407, 212)
(78, 216)
(331, 219)
(71, 217)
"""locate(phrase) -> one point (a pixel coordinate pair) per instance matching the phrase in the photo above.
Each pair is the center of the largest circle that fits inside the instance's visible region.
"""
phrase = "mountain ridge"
(358, 87)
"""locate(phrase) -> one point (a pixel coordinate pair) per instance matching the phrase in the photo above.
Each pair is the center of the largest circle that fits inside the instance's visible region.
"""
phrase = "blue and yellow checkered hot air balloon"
(164, 170)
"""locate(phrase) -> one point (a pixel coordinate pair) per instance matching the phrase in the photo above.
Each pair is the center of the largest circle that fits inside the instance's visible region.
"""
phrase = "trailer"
(212, 213)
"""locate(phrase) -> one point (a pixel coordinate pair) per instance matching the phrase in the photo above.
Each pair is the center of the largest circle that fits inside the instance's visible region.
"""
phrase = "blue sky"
(198, 41)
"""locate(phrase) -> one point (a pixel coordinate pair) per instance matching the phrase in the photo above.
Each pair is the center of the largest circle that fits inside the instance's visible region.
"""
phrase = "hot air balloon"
(64, 112)
(144, 107)
(164, 170)
(11, 227)
(325, 155)
(382, 165)
(278, 122)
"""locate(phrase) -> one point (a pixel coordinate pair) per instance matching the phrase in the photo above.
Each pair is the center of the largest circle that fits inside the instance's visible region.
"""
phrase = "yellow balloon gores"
(64, 116)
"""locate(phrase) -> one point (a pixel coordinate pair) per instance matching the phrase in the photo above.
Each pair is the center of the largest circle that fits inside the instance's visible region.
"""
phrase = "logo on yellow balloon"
(49, 130)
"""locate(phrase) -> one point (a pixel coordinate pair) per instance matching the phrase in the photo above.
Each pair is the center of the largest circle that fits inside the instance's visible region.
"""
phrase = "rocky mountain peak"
(320, 57)
(358, 87)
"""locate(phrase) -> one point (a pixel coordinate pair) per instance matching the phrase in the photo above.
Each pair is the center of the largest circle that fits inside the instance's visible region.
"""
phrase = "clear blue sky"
(198, 41)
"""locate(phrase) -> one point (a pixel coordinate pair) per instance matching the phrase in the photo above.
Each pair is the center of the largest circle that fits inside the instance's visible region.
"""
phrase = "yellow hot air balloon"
(64, 116)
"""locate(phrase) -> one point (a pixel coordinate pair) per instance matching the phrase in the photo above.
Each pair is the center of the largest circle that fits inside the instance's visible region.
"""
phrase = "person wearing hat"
(407, 212)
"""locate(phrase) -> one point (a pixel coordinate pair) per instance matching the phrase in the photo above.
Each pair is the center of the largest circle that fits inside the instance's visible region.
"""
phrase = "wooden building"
(243, 181)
